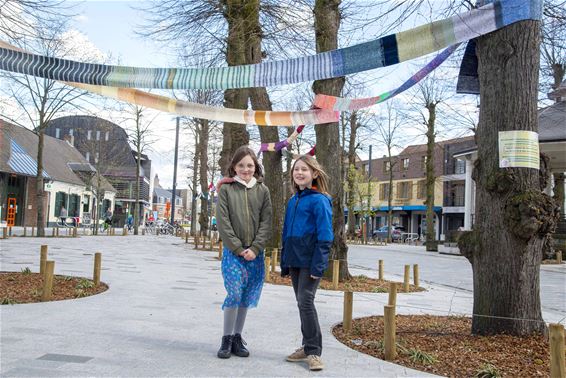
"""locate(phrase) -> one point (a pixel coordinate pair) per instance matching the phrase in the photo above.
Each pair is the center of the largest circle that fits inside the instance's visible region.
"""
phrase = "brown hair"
(321, 182)
(241, 153)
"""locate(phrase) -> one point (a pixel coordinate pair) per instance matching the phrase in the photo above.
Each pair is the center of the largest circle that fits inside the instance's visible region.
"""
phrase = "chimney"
(559, 94)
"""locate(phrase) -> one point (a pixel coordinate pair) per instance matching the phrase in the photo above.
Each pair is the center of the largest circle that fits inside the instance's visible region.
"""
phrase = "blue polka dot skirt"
(243, 279)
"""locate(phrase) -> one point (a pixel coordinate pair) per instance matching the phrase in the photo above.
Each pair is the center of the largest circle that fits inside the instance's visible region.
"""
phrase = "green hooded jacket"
(243, 216)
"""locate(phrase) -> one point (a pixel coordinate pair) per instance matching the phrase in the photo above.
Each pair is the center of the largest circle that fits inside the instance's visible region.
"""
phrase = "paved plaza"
(161, 315)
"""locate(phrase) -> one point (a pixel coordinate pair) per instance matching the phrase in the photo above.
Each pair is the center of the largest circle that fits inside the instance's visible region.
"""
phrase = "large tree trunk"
(431, 244)
(260, 101)
(326, 24)
(203, 167)
(39, 192)
(234, 134)
(513, 216)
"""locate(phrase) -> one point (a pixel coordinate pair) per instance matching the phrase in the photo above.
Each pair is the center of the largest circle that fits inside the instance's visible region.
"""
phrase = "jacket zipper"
(248, 218)
(295, 212)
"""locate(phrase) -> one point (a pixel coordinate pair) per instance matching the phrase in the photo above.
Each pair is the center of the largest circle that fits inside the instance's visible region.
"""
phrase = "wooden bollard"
(143, 231)
(220, 250)
(559, 257)
(274, 254)
(389, 333)
(348, 305)
(10, 231)
(267, 265)
(407, 278)
(124, 231)
(42, 259)
(48, 281)
(392, 294)
(186, 237)
(53, 232)
(557, 361)
(57, 231)
(32, 230)
(211, 244)
(335, 273)
(25, 231)
(416, 275)
(196, 241)
(380, 270)
(5, 233)
(97, 266)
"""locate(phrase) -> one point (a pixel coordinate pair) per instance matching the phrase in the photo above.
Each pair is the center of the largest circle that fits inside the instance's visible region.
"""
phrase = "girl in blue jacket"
(307, 238)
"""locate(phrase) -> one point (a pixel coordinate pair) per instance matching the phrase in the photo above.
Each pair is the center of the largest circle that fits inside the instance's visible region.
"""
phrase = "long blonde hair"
(320, 183)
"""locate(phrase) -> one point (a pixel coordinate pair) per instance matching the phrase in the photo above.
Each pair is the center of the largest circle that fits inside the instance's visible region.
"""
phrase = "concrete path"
(161, 315)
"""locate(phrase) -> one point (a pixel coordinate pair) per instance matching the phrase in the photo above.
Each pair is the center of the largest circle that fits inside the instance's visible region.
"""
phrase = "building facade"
(105, 145)
(66, 179)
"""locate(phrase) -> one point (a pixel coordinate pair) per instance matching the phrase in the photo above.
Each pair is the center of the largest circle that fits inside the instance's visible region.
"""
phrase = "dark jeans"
(305, 290)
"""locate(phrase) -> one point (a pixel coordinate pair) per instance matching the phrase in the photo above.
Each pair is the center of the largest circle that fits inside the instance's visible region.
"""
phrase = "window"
(405, 164)
(386, 166)
(60, 201)
(97, 134)
(366, 168)
(459, 166)
(404, 189)
(96, 158)
(74, 203)
(383, 191)
(88, 134)
(106, 135)
(421, 189)
(71, 132)
(57, 133)
(87, 156)
(178, 201)
(86, 204)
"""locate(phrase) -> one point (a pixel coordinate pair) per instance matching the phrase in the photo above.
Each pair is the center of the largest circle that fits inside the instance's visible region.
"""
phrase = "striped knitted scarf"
(339, 103)
(381, 52)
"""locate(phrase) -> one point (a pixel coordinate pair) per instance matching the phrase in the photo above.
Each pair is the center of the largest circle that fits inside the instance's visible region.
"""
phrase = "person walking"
(307, 238)
(244, 223)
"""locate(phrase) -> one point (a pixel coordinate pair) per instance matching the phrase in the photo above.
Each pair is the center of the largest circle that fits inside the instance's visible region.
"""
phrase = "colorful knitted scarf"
(381, 52)
(339, 103)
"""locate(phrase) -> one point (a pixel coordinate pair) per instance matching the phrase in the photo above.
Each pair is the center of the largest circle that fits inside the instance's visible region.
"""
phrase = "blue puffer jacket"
(307, 232)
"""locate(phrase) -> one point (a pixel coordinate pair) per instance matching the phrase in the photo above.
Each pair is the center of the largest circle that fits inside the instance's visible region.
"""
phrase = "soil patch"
(27, 287)
(443, 345)
(355, 283)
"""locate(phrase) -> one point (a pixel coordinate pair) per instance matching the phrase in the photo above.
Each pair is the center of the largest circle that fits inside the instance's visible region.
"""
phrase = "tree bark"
(326, 24)
(203, 168)
(234, 134)
(351, 178)
(195, 183)
(513, 216)
(260, 101)
(39, 192)
(431, 244)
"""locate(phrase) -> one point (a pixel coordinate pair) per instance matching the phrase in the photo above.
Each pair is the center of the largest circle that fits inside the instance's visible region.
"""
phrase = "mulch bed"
(27, 287)
(355, 283)
(443, 345)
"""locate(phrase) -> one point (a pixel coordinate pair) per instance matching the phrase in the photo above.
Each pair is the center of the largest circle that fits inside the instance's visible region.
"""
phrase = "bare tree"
(387, 133)
(513, 216)
(553, 46)
(19, 18)
(140, 135)
(41, 99)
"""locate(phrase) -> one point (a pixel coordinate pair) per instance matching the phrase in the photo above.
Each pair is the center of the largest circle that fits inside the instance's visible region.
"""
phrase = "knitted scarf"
(380, 52)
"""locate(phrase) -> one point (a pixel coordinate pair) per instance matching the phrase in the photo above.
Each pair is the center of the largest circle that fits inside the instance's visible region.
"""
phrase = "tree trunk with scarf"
(39, 192)
(513, 216)
(431, 244)
(203, 169)
(351, 177)
(234, 134)
(326, 24)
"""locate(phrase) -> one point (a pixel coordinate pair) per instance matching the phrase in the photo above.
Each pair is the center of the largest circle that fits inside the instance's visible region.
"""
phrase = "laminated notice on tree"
(518, 149)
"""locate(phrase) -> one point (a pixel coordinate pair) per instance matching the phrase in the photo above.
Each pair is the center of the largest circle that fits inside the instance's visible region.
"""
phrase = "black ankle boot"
(226, 347)
(238, 347)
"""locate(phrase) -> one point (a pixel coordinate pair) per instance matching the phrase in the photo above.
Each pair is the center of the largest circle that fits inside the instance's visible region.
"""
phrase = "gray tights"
(234, 319)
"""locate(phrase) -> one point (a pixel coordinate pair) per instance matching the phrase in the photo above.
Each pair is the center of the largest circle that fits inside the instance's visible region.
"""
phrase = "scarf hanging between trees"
(382, 52)
(342, 104)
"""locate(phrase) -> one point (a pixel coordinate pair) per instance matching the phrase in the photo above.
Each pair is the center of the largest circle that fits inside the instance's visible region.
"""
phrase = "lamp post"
(368, 231)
